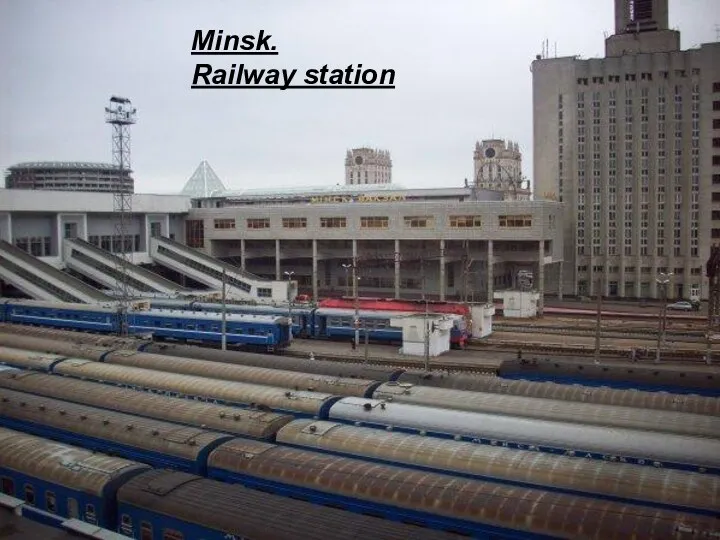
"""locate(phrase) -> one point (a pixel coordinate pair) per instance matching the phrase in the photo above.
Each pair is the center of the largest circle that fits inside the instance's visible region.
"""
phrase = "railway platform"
(480, 361)
(13, 527)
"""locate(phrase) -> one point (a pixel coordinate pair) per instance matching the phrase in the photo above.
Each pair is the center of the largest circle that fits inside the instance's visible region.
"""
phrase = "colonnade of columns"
(539, 280)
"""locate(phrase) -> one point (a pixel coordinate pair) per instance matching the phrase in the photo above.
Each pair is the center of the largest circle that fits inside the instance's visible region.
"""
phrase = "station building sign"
(334, 199)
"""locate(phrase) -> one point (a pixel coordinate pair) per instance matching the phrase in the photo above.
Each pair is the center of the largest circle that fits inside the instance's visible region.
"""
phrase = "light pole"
(347, 268)
(290, 274)
(662, 279)
(598, 321)
(356, 279)
(223, 341)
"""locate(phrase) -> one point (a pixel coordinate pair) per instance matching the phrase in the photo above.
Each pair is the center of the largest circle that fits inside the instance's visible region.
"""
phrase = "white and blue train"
(266, 333)
(324, 323)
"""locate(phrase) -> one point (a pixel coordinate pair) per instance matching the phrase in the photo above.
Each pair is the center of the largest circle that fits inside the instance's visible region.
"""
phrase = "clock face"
(359, 160)
(490, 153)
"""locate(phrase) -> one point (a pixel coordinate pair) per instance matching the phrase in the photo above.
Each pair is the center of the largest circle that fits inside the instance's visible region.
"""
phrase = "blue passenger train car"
(265, 333)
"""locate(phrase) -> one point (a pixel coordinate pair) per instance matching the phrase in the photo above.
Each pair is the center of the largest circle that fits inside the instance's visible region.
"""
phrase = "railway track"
(436, 363)
(693, 356)
(622, 333)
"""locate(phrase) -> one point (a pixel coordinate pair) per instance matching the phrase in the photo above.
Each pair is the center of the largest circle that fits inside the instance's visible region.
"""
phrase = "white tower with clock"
(368, 166)
(498, 167)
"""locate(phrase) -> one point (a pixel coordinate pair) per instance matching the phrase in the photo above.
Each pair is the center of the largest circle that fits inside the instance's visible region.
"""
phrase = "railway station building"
(443, 243)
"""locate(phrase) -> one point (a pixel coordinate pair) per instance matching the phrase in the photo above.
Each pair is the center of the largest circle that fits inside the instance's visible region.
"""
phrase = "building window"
(194, 233)
(716, 123)
(264, 292)
(460, 222)
(224, 223)
(419, 222)
(258, 223)
(716, 105)
(70, 230)
(373, 222)
(333, 222)
(294, 223)
(515, 221)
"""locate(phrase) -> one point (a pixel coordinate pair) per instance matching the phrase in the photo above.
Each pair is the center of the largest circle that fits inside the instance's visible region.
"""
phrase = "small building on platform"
(519, 304)
(421, 330)
(482, 315)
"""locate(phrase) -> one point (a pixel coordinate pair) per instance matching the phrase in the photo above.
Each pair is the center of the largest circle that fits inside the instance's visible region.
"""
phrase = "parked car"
(681, 306)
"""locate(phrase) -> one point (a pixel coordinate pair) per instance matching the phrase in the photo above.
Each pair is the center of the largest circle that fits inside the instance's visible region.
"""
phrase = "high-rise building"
(497, 166)
(368, 166)
(631, 144)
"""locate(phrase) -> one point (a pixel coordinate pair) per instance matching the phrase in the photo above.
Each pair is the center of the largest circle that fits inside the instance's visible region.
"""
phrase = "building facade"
(368, 166)
(497, 165)
(69, 176)
(451, 243)
(38, 222)
(454, 243)
(630, 143)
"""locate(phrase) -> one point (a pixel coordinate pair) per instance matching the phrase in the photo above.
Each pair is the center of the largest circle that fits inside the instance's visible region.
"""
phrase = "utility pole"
(367, 337)
(223, 342)
(290, 274)
(662, 279)
(357, 302)
(712, 271)
(347, 278)
(427, 338)
(598, 323)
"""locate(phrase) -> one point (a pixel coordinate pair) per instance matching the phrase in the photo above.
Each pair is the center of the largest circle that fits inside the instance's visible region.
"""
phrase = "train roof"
(177, 440)
(61, 464)
(248, 513)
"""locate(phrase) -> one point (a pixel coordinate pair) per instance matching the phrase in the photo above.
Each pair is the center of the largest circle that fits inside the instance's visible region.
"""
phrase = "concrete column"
(560, 281)
(242, 254)
(442, 270)
(314, 270)
(277, 260)
(59, 237)
(397, 268)
(541, 277)
(491, 276)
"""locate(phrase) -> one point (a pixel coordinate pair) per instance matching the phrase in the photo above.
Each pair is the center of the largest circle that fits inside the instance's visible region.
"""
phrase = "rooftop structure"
(203, 182)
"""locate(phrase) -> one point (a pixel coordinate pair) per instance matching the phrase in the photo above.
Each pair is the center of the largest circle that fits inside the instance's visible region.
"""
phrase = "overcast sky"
(462, 75)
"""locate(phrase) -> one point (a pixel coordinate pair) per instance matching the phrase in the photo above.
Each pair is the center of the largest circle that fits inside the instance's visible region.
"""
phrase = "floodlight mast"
(120, 114)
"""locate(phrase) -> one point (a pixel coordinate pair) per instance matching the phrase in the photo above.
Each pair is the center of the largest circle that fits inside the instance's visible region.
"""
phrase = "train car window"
(50, 502)
(29, 494)
(8, 486)
(146, 532)
(170, 534)
(72, 508)
(90, 513)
